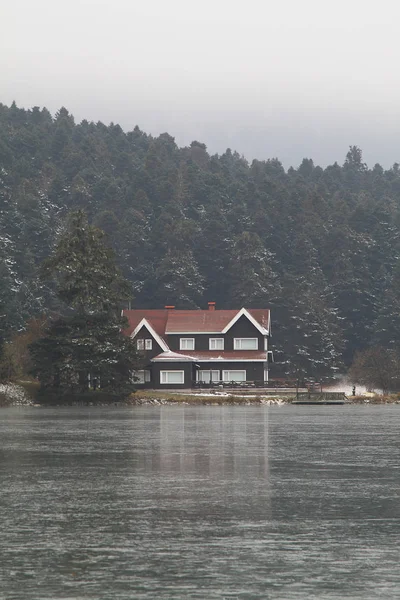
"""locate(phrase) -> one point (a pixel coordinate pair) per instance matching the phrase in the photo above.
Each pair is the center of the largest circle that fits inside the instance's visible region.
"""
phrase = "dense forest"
(320, 247)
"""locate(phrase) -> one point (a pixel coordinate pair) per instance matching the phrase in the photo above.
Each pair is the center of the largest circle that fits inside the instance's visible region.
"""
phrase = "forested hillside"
(320, 247)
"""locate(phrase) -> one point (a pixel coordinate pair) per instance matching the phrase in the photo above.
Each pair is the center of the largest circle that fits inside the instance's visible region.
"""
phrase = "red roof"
(199, 321)
(165, 321)
(156, 318)
(261, 315)
(212, 355)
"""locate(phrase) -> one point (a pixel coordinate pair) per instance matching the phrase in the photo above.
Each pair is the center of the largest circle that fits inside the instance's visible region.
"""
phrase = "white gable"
(144, 323)
(243, 312)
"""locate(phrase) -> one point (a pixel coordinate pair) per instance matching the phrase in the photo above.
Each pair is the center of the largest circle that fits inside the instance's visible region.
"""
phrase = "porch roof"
(213, 356)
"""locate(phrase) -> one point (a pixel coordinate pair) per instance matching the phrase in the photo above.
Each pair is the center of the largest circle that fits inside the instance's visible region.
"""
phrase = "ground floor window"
(143, 376)
(234, 375)
(207, 376)
(172, 377)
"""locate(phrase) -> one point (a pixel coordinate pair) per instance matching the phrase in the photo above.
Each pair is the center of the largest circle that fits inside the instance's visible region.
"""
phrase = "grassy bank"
(376, 399)
(156, 397)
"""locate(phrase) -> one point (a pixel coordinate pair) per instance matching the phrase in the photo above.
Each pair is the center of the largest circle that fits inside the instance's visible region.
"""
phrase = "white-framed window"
(148, 344)
(216, 344)
(266, 344)
(245, 344)
(186, 344)
(207, 376)
(142, 376)
(140, 344)
(234, 375)
(172, 377)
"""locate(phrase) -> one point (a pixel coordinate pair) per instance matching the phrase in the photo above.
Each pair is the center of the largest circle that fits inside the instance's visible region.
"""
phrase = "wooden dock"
(320, 398)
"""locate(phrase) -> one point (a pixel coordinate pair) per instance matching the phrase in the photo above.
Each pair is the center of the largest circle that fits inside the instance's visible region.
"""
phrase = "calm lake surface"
(200, 502)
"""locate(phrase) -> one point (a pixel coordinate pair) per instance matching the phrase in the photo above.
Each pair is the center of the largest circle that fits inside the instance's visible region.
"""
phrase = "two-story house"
(182, 348)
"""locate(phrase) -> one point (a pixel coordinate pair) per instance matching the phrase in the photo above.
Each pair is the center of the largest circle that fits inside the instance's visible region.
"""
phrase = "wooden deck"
(321, 398)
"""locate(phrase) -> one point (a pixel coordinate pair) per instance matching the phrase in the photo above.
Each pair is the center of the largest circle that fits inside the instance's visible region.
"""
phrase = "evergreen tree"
(87, 341)
(252, 280)
(2, 337)
(178, 280)
(387, 324)
(311, 336)
(84, 270)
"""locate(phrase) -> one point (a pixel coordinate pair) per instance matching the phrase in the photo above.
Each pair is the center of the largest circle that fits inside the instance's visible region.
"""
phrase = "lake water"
(200, 502)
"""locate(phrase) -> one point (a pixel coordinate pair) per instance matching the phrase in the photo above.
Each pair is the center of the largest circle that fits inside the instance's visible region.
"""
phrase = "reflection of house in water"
(220, 443)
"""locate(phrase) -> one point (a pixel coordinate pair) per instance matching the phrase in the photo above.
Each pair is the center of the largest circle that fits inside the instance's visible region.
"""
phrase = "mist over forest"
(318, 246)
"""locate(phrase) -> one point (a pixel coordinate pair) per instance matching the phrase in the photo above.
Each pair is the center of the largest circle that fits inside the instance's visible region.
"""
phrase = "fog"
(290, 79)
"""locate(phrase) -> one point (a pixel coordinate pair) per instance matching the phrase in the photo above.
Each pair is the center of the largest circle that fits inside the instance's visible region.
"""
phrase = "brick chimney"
(211, 306)
(169, 307)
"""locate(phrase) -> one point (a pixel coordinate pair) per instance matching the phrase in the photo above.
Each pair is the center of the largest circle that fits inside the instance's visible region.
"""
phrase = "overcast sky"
(285, 78)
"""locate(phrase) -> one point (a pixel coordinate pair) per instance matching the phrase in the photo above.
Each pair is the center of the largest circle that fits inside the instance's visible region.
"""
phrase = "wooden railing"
(246, 384)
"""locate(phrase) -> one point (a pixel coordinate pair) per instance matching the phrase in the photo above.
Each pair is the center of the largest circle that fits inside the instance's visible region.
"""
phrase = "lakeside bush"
(50, 397)
(4, 399)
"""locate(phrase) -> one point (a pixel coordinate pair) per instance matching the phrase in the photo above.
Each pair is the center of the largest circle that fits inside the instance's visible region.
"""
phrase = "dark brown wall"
(242, 328)
(157, 367)
(200, 341)
(254, 370)
(144, 334)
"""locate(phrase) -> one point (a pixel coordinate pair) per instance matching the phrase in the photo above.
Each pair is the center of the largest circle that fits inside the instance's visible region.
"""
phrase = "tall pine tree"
(87, 341)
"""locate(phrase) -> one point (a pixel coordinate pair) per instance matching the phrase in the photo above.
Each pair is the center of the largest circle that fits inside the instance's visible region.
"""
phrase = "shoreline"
(24, 394)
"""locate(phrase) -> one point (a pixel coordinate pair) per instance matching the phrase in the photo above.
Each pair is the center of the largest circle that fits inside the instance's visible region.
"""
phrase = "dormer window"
(245, 343)
(216, 343)
(140, 344)
(186, 344)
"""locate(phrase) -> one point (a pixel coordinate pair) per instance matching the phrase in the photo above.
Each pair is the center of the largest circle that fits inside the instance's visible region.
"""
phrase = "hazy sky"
(285, 78)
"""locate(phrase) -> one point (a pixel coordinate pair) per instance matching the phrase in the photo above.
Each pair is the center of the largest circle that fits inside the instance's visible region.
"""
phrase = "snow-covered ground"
(249, 400)
(15, 393)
